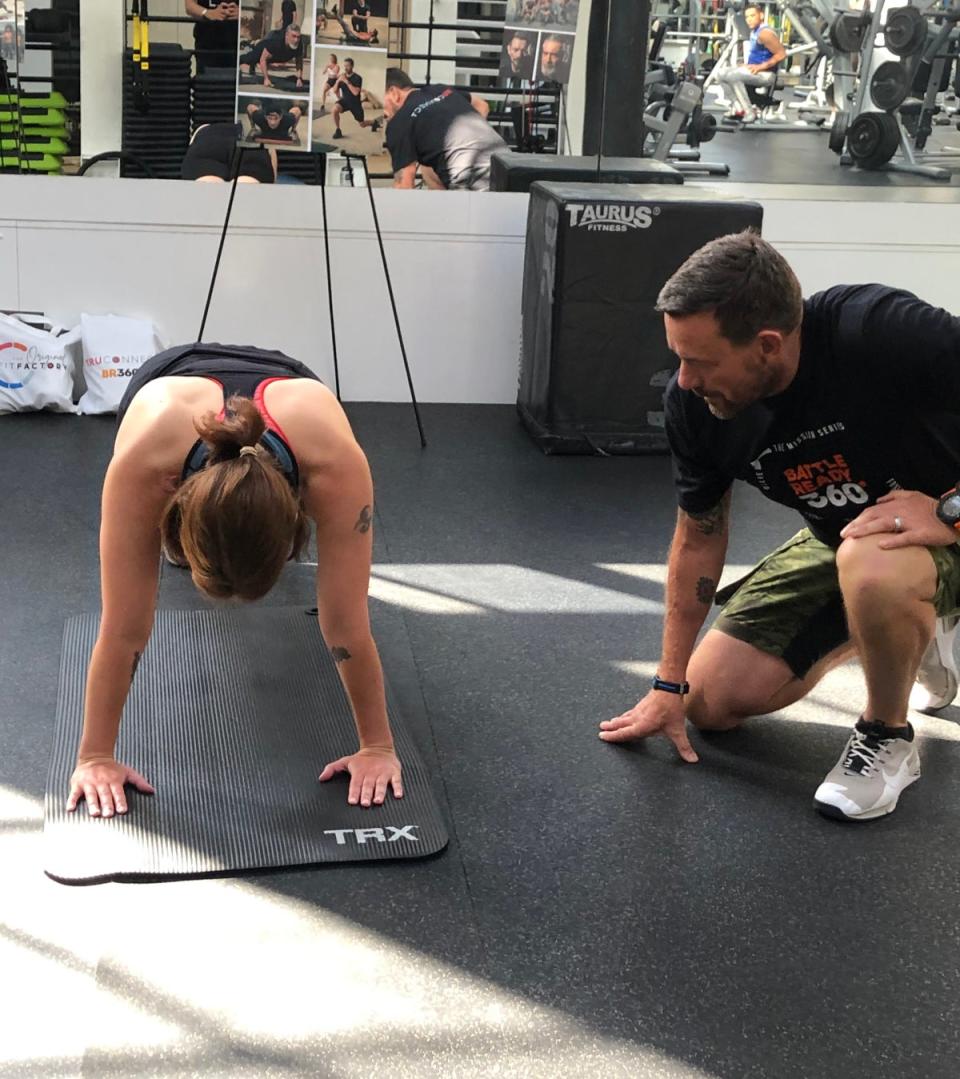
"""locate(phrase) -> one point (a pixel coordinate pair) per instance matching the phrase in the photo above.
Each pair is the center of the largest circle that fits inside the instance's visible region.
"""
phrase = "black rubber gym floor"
(599, 911)
(798, 156)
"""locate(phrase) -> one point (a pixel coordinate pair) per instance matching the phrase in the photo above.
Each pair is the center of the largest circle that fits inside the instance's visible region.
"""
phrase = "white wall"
(101, 76)
(146, 248)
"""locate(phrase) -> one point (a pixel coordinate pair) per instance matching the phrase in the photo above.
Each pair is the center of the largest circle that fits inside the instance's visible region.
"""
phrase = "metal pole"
(430, 43)
(603, 80)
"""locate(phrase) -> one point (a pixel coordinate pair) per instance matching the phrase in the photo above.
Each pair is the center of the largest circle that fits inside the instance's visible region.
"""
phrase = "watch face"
(950, 507)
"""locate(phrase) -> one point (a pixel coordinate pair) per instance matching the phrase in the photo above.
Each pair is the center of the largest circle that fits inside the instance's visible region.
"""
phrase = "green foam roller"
(40, 117)
(51, 132)
(36, 145)
(30, 162)
(54, 100)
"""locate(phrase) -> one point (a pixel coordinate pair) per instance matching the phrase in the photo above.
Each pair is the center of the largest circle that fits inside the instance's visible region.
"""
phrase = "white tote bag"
(114, 349)
(36, 367)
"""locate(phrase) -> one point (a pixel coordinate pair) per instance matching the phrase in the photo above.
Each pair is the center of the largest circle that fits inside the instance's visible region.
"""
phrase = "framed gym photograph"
(348, 109)
(359, 24)
(518, 56)
(276, 53)
(543, 14)
(275, 121)
(554, 55)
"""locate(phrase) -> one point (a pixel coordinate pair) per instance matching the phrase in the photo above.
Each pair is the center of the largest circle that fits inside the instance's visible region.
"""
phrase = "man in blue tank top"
(765, 56)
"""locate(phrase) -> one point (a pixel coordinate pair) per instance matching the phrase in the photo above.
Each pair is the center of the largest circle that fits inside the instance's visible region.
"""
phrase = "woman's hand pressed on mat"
(657, 713)
(100, 783)
(372, 770)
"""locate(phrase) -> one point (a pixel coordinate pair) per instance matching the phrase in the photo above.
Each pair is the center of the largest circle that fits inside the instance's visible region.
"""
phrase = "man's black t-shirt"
(875, 406)
(438, 127)
(359, 8)
(275, 43)
(281, 131)
(355, 79)
(219, 36)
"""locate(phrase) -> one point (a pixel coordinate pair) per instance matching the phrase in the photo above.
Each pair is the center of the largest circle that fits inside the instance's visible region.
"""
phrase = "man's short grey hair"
(743, 281)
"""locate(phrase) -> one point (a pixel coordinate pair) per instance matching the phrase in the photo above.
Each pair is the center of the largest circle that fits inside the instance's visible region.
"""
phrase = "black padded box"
(510, 171)
(593, 359)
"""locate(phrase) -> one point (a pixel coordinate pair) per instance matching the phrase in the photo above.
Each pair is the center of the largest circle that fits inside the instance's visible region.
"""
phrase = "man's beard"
(766, 383)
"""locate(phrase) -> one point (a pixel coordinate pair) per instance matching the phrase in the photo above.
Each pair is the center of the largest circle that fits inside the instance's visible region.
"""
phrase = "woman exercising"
(225, 457)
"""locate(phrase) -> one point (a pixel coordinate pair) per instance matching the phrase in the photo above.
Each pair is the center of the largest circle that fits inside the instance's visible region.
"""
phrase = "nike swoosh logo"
(898, 774)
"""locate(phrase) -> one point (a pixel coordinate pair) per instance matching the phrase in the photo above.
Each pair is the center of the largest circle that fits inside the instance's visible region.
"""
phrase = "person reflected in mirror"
(765, 56)
(215, 32)
(443, 130)
(213, 154)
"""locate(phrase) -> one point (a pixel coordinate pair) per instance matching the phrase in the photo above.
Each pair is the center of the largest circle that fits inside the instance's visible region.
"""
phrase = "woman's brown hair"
(236, 522)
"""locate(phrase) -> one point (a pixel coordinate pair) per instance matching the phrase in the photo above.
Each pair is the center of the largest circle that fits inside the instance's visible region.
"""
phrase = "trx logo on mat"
(362, 835)
(607, 218)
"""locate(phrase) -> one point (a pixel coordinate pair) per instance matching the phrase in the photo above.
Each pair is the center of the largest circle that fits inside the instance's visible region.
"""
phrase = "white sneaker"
(937, 677)
(873, 770)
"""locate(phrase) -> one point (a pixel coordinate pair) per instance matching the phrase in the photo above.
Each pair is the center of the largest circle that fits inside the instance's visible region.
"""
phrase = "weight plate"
(889, 86)
(905, 31)
(707, 126)
(873, 139)
(838, 133)
(846, 32)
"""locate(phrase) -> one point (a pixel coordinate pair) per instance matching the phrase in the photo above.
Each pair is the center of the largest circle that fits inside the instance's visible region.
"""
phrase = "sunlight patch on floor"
(226, 977)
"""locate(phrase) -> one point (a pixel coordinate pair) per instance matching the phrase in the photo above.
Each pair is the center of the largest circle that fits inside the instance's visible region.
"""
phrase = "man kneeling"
(843, 406)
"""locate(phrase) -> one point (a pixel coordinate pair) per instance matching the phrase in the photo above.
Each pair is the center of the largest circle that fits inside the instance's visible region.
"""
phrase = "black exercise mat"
(232, 716)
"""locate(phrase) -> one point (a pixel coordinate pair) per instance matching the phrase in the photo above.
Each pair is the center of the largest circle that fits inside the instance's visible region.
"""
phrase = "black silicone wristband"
(682, 688)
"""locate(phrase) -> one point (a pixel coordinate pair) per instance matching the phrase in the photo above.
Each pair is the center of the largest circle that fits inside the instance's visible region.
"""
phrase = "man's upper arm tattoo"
(339, 654)
(706, 589)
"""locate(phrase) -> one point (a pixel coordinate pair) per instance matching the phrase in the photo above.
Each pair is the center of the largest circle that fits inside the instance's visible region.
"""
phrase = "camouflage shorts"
(789, 605)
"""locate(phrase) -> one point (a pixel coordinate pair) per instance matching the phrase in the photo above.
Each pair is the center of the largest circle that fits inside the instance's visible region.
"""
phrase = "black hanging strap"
(393, 305)
(235, 169)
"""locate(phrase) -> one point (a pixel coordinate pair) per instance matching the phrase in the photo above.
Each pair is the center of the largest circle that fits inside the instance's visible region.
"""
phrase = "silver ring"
(898, 524)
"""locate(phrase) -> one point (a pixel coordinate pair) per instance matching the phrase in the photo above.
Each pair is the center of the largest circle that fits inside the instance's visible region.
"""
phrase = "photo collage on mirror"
(312, 74)
(275, 84)
(350, 72)
(538, 42)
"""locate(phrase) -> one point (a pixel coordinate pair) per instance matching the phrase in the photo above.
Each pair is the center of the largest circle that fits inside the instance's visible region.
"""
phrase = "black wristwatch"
(683, 688)
(948, 508)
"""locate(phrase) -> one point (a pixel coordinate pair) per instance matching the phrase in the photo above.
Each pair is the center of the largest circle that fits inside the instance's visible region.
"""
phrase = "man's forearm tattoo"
(706, 589)
(136, 663)
(711, 521)
(364, 521)
(339, 654)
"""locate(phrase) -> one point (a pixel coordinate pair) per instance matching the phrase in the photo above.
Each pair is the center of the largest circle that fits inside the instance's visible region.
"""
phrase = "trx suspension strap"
(141, 55)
